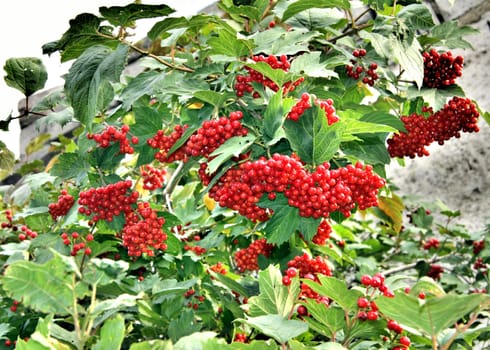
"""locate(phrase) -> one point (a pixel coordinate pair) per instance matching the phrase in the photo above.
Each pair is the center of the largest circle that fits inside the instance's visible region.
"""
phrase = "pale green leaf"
(111, 334)
(302, 5)
(277, 327)
(409, 56)
(310, 64)
(231, 148)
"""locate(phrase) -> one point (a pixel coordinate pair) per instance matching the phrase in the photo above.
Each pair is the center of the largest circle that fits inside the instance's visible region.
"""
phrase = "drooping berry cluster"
(358, 69)
(103, 203)
(325, 191)
(403, 342)
(458, 115)
(62, 206)
(198, 299)
(300, 107)
(213, 133)
(9, 223)
(431, 243)
(78, 242)
(248, 258)
(307, 267)
(143, 232)
(243, 82)
(165, 142)
(478, 246)
(305, 102)
(152, 177)
(111, 135)
(441, 69)
(435, 272)
(323, 233)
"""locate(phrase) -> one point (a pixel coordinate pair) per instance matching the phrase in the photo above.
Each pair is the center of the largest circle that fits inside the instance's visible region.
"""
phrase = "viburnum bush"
(231, 192)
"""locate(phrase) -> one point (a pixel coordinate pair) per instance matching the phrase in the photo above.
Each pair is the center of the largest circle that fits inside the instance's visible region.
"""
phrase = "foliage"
(233, 195)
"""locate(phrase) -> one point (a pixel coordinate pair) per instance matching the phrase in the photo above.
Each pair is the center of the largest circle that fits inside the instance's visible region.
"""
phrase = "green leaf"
(183, 326)
(273, 119)
(214, 98)
(450, 34)
(286, 221)
(326, 320)
(54, 119)
(26, 74)
(36, 143)
(274, 297)
(124, 16)
(436, 98)
(111, 334)
(152, 345)
(46, 288)
(302, 5)
(120, 302)
(162, 27)
(369, 148)
(231, 148)
(416, 17)
(88, 83)
(336, 290)
(381, 43)
(278, 76)
(311, 137)
(409, 56)
(277, 327)
(228, 44)
(71, 166)
(194, 341)
(432, 315)
(354, 126)
(7, 161)
(278, 41)
(84, 33)
(383, 118)
(309, 64)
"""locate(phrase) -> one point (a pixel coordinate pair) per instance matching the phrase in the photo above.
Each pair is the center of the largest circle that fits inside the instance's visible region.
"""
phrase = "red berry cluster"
(152, 177)
(300, 107)
(219, 267)
(240, 338)
(198, 250)
(435, 272)
(376, 282)
(79, 246)
(307, 267)
(103, 203)
(112, 134)
(478, 246)
(368, 310)
(213, 133)
(9, 223)
(14, 306)
(142, 232)
(441, 70)
(191, 293)
(26, 233)
(243, 82)
(431, 243)
(62, 206)
(165, 142)
(479, 264)
(322, 233)
(248, 258)
(325, 191)
(358, 70)
(458, 115)
(404, 341)
(316, 194)
(304, 103)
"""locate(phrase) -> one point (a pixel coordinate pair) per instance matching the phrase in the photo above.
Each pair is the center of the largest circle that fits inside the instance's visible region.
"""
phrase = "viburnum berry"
(165, 142)
(404, 340)
(478, 246)
(431, 243)
(286, 280)
(441, 69)
(247, 258)
(372, 315)
(362, 302)
(302, 310)
(243, 82)
(358, 69)
(240, 338)
(435, 272)
(62, 206)
(309, 268)
(143, 232)
(394, 326)
(153, 178)
(103, 203)
(112, 134)
(213, 133)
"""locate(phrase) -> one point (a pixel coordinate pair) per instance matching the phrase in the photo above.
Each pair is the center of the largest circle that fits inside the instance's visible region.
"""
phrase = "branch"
(408, 266)
(350, 31)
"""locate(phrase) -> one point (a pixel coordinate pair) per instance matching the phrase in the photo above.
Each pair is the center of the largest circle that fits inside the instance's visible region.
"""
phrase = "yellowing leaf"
(393, 207)
(209, 202)
(37, 143)
(195, 105)
(51, 162)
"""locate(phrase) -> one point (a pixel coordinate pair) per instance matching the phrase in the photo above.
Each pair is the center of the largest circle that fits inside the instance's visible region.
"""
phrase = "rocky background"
(458, 173)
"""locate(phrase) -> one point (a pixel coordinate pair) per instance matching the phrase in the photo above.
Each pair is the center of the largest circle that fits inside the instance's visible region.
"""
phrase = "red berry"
(405, 341)
(362, 302)
(286, 280)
